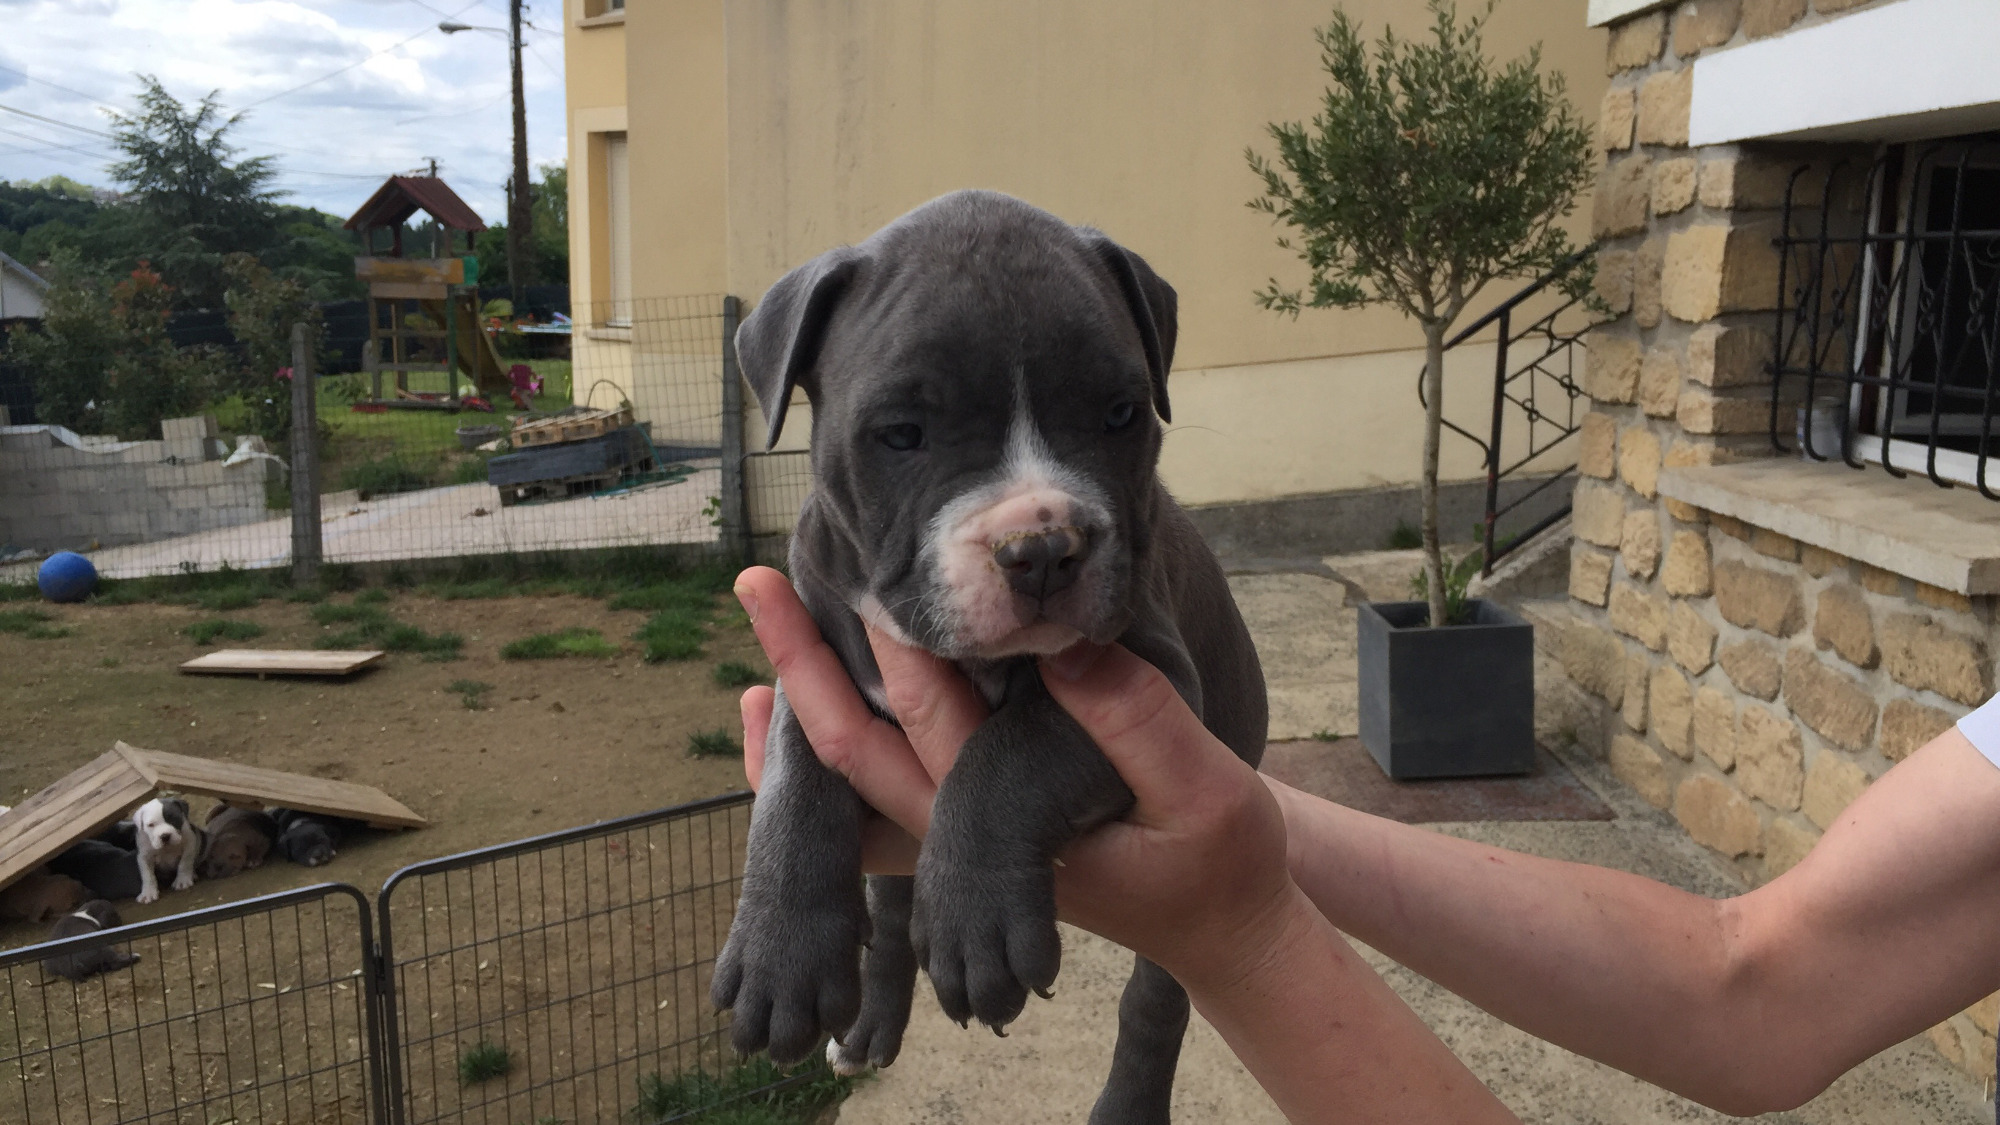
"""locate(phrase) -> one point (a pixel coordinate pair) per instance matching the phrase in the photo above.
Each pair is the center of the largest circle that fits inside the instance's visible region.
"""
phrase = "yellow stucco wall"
(828, 118)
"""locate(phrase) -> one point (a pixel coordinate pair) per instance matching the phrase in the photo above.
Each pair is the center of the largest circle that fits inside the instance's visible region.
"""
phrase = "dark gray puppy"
(987, 385)
(238, 840)
(108, 870)
(307, 839)
(89, 960)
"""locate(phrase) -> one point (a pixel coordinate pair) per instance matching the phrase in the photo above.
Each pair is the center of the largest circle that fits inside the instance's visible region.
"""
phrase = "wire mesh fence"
(421, 455)
(568, 974)
(557, 978)
(258, 1011)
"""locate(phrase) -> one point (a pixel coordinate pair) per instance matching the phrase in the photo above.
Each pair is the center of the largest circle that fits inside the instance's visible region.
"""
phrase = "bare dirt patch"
(558, 743)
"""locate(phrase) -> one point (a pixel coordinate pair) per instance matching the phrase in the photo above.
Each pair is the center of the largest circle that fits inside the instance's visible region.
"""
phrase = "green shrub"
(223, 629)
(735, 1096)
(672, 634)
(31, 623)
(483, 1061)
(736, 674)
(384, 475)
(717, 743)
(574, 641)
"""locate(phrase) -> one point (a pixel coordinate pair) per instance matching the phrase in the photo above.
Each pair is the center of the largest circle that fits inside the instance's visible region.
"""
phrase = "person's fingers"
(756, 709)
(1141, 723)
(936, 706)
(848, 737)
(815, 682)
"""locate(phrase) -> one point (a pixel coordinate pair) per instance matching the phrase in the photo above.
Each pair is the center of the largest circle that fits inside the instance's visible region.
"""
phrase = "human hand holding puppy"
(1194, 878)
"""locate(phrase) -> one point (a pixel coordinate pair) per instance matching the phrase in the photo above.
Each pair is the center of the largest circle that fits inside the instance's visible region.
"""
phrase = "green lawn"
(402, 449)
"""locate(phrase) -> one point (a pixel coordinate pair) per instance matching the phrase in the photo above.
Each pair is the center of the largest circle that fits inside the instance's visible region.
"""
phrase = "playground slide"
(477, 357)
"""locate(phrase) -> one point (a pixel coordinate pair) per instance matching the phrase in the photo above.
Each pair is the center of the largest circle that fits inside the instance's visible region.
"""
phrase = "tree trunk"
(1433, 429)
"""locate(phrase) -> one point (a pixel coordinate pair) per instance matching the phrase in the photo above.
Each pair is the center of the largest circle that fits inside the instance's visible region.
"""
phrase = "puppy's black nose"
(1042, 564)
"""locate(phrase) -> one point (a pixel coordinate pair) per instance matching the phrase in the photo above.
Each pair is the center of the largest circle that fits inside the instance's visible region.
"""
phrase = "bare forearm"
(1329, 1041)
(1619, 968)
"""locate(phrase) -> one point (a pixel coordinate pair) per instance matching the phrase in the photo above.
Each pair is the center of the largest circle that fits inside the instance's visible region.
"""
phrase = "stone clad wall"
(1751, 685)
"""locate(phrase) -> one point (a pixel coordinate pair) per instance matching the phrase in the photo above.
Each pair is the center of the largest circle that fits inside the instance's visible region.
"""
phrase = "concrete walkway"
(1049, 1067)
(434, 523)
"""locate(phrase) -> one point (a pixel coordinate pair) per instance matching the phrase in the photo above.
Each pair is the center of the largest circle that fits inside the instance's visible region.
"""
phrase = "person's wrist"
(1299, 826)
(1248, 954)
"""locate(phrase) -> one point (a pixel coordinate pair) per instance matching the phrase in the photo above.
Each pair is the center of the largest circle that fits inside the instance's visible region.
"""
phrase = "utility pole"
(520, 216)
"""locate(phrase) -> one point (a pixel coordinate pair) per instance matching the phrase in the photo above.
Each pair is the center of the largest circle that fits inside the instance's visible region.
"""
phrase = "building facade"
(1784, 573)
(716, 145)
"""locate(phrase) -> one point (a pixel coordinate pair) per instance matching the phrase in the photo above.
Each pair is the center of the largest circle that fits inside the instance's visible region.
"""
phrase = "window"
(1888, 348)
(618, 230)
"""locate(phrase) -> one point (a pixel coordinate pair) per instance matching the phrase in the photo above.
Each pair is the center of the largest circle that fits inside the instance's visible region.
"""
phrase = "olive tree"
(1428, 173)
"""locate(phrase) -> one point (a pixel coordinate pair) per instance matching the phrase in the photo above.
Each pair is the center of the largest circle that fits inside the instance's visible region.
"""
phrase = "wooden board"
(91, 797)
(256, 787)
(569, 427)
(281, 662)
(77, 807)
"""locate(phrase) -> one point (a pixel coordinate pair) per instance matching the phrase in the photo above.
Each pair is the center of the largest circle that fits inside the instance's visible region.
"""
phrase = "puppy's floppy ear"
(1154, 308)
(777, 344)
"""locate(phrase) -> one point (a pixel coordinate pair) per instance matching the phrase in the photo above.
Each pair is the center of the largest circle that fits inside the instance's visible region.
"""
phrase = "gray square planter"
(1452, 702)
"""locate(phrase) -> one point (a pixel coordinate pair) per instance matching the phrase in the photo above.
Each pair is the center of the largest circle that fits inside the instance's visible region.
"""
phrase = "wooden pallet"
(569, 427)
(93, 796)
(281, 662)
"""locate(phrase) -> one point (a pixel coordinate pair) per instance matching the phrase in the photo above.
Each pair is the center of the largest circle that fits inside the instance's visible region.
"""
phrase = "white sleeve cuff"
(1982, 729)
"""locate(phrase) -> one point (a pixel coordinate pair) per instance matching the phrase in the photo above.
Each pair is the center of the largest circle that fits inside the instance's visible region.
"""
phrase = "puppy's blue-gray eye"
(1121, 416)
(902, 437)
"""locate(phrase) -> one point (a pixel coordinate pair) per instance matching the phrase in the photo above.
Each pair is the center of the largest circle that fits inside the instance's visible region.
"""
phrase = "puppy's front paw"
(791, 976)
(148, 896)
(986, 937)
(183, 882)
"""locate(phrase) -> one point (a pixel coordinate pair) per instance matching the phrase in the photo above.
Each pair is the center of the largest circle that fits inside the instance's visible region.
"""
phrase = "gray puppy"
(987, 384)
(90, 960)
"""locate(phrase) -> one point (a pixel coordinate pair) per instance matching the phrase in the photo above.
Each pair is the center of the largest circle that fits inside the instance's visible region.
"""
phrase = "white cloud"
(395, 102)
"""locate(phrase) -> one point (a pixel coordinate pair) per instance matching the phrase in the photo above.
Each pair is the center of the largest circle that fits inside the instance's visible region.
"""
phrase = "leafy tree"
(199, 201)
(1427, 173)
(262, 309)
(68, 353)
(101, 360)
(549, 240)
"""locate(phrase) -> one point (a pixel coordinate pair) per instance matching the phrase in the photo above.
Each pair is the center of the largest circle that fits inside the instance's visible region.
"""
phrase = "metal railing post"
(736, 539)
(304, 463)
(1493, 443)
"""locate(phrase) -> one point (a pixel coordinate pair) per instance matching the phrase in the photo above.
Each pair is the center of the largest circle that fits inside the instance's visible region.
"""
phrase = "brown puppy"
(88, 960)
(39, 896)
(238, 840)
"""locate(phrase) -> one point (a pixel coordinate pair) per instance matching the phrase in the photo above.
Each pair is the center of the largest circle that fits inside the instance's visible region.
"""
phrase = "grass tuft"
(19, 592)
(375, 595)
(1404, 537)
(717, 743)
(736, 674)
(1324, 735)
(741, 1095)
(672, 634)
(373, 627)
(483, 1061)
(222, 628)
(31, 623)
(573, 641)
(470, 692)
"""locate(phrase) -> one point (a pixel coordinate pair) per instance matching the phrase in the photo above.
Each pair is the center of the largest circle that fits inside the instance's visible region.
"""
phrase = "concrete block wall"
(1751, 685)
(54, 496)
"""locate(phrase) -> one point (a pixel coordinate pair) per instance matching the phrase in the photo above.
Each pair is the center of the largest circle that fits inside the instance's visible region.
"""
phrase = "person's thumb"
(1128, 707)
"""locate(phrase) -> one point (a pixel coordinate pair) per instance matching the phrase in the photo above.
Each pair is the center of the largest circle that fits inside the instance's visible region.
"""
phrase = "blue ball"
(66, 577)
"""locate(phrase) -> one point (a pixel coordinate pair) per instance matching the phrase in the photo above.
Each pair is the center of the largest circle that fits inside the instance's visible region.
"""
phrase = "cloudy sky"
(341, 92)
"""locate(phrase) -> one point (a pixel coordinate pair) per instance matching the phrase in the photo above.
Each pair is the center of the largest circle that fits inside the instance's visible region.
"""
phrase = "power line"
(53, 121)
(350, 66)
(45, 141)
(51, 85)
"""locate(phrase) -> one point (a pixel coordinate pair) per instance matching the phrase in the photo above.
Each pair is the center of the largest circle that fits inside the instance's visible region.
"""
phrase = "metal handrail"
(1504, 375)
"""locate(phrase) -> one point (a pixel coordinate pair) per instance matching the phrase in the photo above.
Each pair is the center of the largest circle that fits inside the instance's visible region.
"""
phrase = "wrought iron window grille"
(1887, 341)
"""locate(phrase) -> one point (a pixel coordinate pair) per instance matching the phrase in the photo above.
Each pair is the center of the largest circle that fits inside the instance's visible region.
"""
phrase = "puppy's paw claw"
(985, 941)
(789, 986)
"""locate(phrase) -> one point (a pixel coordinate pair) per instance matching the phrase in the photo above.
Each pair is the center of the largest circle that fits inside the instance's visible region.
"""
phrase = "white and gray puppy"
(169, 840)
